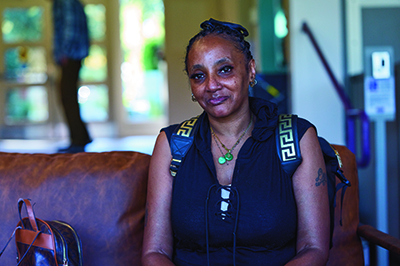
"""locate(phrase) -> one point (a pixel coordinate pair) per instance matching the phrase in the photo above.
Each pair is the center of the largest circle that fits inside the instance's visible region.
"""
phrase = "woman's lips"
(218, 100)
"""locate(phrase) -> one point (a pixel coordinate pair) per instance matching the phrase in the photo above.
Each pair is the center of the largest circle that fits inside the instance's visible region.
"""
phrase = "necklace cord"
(228, 156)
(222, 159)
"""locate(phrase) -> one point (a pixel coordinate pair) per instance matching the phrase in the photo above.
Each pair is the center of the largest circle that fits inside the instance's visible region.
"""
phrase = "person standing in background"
(70, 47)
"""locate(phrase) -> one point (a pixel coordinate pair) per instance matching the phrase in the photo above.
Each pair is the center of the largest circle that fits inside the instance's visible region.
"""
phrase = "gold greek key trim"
(339, 159)
(286, 138)
(187, 127)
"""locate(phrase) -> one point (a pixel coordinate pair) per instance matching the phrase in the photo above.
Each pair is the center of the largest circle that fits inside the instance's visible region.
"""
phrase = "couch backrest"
(347, 247)
(102, 195)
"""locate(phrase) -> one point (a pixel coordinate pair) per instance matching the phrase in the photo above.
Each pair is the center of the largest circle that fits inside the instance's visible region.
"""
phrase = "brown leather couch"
(103, 196)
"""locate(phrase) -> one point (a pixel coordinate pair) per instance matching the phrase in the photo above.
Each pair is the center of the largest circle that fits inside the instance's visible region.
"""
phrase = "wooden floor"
(142, 144)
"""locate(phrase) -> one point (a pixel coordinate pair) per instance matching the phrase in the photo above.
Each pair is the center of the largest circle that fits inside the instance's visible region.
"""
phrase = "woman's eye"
(226, 69)
(197, 76)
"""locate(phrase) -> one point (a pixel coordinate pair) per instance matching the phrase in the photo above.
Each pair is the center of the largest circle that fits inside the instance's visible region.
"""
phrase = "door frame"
(354, 41)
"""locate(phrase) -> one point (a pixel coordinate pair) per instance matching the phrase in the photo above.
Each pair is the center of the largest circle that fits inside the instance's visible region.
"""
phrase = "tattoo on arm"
(321, 179)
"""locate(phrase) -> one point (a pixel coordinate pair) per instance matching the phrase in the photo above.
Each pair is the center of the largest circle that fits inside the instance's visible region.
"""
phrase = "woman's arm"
(158, 240)
(310, 190)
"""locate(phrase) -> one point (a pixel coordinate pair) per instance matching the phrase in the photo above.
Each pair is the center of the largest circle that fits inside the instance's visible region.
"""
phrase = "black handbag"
(45, 242)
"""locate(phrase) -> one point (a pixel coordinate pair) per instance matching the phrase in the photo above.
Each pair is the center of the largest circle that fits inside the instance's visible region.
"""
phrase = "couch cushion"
(102, 195)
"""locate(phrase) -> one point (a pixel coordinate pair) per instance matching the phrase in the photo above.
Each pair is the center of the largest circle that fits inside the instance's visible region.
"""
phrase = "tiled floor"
(143, 144)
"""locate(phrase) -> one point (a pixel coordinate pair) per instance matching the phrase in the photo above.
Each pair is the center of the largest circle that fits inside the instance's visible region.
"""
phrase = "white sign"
(381, 65)
(379, 98)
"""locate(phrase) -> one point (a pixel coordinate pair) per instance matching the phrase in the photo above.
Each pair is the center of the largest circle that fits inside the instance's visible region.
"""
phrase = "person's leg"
(69, 98)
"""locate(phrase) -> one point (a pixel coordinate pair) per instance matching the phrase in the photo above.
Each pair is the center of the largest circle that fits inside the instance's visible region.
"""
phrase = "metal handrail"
(351, 113)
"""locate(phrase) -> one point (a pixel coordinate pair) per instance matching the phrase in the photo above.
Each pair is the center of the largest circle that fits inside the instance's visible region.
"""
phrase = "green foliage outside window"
(22, 24)
(26, 105)
(94, 99)
(142, 41)
(94, 68)
(25, 64)
(96, 15)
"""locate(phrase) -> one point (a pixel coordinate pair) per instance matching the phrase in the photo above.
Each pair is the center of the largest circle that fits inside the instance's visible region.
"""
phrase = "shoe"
(72, 149)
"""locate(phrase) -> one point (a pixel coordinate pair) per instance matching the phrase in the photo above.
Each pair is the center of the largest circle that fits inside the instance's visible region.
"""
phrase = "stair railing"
(351, 113)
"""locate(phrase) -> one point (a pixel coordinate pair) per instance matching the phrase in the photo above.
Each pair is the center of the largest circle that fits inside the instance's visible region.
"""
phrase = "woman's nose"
(213, 83)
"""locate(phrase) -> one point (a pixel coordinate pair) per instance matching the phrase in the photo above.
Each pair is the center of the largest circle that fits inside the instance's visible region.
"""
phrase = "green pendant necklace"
(228, 156)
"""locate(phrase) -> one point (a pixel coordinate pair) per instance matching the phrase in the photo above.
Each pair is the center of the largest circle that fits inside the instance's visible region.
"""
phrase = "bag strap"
(21, 225)
(11, 237)
(26, 252)
(29, 211)
(181, 141)
(287, 143)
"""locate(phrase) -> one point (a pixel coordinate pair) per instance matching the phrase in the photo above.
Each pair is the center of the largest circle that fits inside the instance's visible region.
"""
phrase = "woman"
(231, 203)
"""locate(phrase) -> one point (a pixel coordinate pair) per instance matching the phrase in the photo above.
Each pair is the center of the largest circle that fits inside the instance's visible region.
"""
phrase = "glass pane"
(96, 15)
(25, 64)
(143, 78)
(93, 101)
(28, 104)
(144, 101)
(22, 24)
(94, 66)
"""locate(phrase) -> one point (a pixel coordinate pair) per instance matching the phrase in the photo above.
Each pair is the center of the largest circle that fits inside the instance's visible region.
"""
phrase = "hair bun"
(211, 24)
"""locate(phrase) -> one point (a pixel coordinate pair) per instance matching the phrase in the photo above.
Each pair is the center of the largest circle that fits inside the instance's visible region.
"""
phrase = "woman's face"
(219, 76)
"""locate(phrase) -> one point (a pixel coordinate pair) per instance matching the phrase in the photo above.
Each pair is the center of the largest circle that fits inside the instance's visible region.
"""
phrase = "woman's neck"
(231, 126)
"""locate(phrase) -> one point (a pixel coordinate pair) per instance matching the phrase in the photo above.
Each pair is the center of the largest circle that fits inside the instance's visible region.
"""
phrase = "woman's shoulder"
(168, 130)
(303, 125)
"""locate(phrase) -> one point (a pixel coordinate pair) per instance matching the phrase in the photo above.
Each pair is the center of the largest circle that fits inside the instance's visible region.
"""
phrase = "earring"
(193, 98)
(253, 83)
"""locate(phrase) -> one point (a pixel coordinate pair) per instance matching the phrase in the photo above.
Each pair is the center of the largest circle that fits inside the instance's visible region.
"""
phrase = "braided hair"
(227, 30)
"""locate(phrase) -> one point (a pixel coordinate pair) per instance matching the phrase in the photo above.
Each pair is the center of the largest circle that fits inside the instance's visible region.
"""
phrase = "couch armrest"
(379, 238)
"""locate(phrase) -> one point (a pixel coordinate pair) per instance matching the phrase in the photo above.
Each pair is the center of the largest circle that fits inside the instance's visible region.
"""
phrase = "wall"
(313, 94)
(182, 20)
(373, 20)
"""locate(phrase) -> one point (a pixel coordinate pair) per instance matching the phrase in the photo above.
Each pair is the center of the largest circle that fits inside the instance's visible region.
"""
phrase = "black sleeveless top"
(251, 222)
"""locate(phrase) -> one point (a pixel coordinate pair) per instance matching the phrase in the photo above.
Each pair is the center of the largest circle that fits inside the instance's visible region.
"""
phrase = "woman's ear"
(252, 70)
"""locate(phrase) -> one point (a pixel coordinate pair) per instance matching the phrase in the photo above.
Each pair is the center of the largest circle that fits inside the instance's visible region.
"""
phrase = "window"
(22, 24)
(26, 105)
(24, 63)
(143, 67)
(93, 94)
(93, 100)
(28, 75)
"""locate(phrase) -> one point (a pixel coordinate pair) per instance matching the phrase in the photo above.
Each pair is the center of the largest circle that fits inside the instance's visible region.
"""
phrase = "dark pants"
(69, 99)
